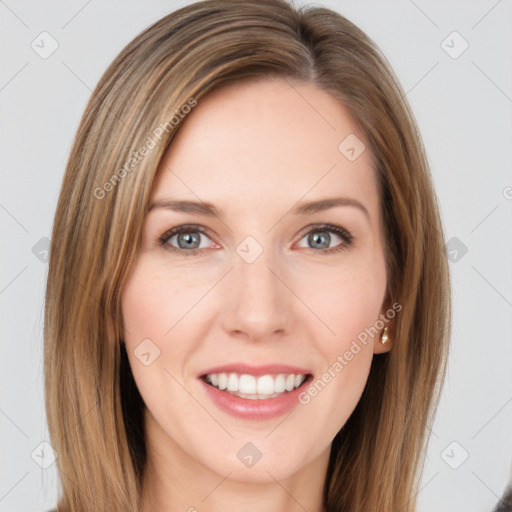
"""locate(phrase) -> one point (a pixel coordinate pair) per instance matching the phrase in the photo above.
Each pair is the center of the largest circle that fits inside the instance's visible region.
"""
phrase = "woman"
(248, 298)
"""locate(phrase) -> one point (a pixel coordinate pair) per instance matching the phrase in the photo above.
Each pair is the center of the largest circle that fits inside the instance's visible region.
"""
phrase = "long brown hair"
(95, 413)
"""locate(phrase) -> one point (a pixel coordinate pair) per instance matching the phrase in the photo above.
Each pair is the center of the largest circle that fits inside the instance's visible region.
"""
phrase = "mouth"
(253, 387)
(255, 392)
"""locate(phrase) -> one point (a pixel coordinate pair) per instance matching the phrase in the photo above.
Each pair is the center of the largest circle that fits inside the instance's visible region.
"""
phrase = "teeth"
(265, 385)
(279, 384)
(247, 384)
(232, 382)
(253, 388)
(223, 381)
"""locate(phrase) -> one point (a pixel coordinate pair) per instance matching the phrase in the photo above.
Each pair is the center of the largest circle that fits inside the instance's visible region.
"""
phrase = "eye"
(320, 238)
(187, 238)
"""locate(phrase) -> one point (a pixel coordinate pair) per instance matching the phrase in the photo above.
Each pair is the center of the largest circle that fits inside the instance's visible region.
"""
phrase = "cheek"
(154, 301)
(152, 311)
(162, 304)
(142, 315)
(148, 318)
(347, 300)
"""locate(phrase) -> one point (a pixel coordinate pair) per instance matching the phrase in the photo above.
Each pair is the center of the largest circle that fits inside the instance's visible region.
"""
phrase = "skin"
(254, 149)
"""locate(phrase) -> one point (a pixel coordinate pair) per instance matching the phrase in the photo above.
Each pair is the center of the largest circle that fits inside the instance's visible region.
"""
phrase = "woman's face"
(260, 290)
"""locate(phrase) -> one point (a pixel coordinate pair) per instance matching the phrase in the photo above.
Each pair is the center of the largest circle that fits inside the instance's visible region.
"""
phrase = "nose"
(259, 300)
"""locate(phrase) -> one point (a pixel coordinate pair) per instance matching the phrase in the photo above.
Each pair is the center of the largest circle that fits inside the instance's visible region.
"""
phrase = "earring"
(384, 337)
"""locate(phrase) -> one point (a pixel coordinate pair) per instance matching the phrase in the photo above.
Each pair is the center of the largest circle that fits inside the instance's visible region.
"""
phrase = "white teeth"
(232, 382)
(279, 383)
(247, 384)
(251, 387)
(223, 381)
(265, 385)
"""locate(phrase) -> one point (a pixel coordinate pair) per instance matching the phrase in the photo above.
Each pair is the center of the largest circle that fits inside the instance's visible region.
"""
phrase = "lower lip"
(245, 408)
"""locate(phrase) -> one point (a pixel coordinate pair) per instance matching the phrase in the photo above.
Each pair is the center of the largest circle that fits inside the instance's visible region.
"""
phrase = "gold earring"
(384, 336)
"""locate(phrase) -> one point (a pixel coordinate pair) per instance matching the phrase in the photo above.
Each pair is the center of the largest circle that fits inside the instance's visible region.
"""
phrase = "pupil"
(316, 236)
(190, 237)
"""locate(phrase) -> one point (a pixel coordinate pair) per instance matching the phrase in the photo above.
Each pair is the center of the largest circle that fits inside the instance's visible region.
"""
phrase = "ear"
(387, 316)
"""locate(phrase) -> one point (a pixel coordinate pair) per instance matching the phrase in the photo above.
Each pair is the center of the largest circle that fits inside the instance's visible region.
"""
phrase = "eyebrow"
(208, 209)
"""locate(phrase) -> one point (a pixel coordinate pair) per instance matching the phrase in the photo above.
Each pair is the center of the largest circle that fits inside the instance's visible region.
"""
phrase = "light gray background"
(463, 108)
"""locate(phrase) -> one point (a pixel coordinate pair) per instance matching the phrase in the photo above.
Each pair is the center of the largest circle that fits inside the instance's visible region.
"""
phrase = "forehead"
(262, 140)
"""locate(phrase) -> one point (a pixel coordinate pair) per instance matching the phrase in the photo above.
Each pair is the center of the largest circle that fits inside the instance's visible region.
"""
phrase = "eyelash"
(317, 228)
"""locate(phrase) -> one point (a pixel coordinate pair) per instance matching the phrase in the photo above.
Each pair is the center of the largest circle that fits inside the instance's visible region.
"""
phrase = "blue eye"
(188, 239)
(320, 238)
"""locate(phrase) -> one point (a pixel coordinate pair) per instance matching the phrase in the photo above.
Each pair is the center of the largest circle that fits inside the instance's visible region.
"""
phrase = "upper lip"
(242, 368)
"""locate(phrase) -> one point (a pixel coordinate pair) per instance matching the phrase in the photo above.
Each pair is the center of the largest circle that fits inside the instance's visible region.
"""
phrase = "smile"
(252, 387)
(255, 392)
